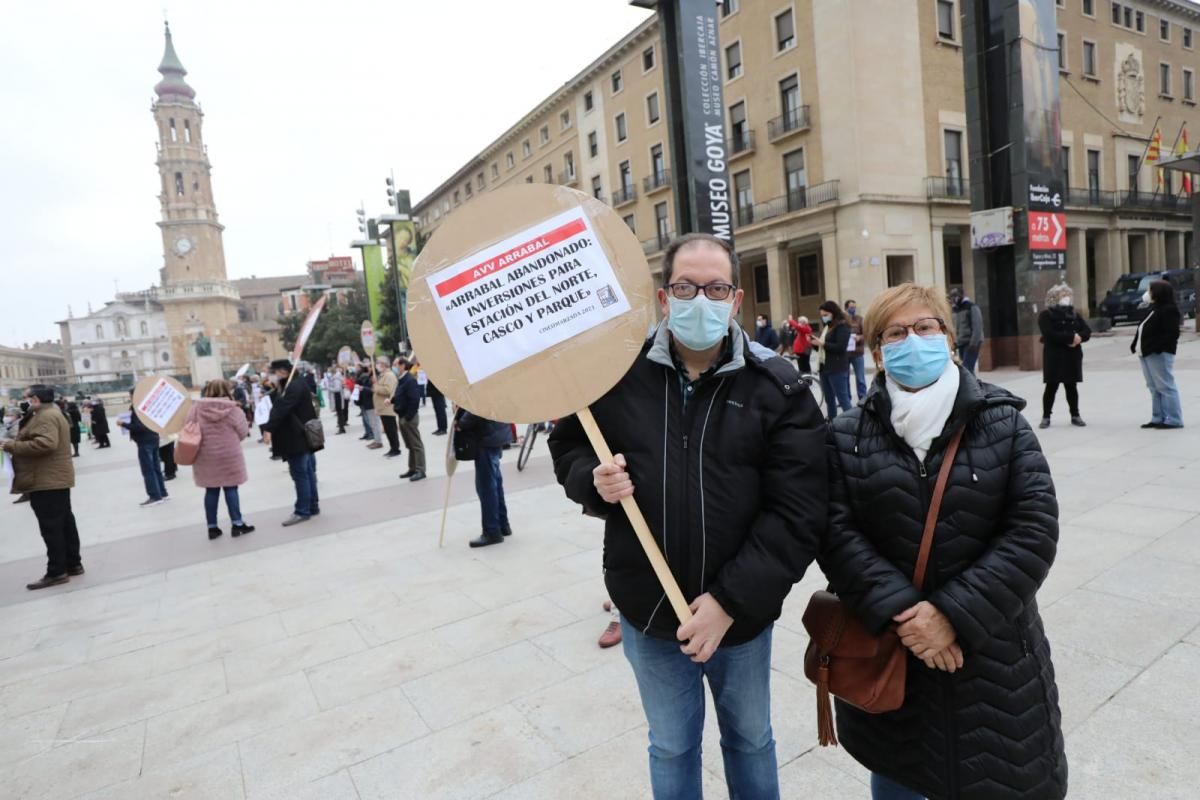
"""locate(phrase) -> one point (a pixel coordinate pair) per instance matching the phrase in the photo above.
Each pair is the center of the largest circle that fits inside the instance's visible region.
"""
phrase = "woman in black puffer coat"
(980, 718)
(1063, 334)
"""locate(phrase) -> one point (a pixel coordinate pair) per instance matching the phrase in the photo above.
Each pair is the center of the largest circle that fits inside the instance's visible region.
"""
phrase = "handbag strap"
(935, 507)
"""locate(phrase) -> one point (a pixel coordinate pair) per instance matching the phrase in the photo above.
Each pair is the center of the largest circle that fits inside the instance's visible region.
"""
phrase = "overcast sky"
(307, 106)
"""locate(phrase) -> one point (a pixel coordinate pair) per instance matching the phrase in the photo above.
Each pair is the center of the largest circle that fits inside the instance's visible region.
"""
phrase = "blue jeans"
(156, 487)
(1159, 371)
(489, 485)
(968, 357)
(213, 496)
(303, 469)
(860, 376)
(672, 691)
(885, 789)
(836, 388)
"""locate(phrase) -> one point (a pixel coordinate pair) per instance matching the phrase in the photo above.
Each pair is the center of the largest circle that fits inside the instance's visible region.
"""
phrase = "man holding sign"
(290, 414)
(723, 449)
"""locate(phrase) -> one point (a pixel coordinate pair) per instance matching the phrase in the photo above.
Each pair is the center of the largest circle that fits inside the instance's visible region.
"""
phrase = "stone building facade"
(20, 367)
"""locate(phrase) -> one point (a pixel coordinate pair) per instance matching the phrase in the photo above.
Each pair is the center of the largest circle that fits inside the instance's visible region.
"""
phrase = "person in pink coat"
(220, 464)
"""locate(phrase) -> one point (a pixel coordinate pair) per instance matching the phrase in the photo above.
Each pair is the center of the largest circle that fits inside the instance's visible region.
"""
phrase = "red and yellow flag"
(1181, 149)
(1154, 151)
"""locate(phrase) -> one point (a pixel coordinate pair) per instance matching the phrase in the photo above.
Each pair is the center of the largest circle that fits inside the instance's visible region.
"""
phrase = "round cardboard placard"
(529, 303)
(162, 403)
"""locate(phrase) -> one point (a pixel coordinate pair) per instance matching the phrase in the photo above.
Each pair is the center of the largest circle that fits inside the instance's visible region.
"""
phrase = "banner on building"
(375, 275)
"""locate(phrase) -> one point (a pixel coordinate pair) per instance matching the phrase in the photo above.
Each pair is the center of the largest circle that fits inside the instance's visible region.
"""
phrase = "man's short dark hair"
(849, 303)
(691, 238)
(280, 364)
(44, 393)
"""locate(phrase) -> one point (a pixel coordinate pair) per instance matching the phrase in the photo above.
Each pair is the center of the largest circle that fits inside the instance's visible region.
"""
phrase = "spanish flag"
(1181, 149)
(1154, 154)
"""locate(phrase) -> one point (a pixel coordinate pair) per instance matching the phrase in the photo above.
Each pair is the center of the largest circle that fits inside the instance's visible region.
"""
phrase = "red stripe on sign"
(509, 257)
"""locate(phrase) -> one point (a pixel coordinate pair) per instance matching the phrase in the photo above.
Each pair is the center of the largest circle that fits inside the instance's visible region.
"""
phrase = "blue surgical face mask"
(395, 371)
(699, 323)
(917, 361)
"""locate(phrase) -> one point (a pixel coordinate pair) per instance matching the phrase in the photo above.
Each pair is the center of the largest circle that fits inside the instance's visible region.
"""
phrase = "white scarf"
(919, 417)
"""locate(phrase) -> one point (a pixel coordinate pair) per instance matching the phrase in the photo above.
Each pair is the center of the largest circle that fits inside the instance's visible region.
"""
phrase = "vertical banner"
(696, 114)
(405, 237)
(306, 330)
(1046, 221)
(374, 275)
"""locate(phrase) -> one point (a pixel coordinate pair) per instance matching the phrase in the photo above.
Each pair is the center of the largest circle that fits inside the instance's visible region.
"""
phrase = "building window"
(479, 182)
(509, 161)
(587, 100)
(1089, 59)
(622, 134)
(99, 332)
(526, 149)
(593, 145)
(495, 170)
(597, 188)
(945, 19)
(187, 131)
(564, 120)
(733, 61)
(737, 127)
(1116, 13)
(1164, 30)
(179, 190)
(87, 364)
(744, 194)
(617, 82)
(1060, 3)
(1164, 80)
(529, 179)
(166, 357)
(1140, 16)
(174, 133)
(569, 164)
(952, 141)
(1066, 168)
(662, 224)
(1089, 8)
(762, 284)
(548, 173)
(625, 176)
(808, 268)
(630, 221)
(729, 7)
(794, 179)
(1189, 86)
(467, 189)
(658, 165)
(648, 59)
(652, 109)
(1187, 38)
(789, 102)
(1133, 167)
(456, 200)
(785, 31)
(544, 135)
(1062, 52)
(144, 328)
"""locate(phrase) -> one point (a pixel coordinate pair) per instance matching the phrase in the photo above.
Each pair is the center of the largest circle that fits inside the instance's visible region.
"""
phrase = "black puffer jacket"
(993, 728)
(1062, 363)
(732, 483)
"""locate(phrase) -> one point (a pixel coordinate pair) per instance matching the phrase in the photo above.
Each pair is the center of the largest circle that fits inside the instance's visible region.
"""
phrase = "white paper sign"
(161, 403)
(524, 295)
(262, 411)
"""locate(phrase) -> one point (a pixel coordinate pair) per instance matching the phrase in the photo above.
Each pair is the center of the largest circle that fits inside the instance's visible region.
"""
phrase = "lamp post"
(398, 215)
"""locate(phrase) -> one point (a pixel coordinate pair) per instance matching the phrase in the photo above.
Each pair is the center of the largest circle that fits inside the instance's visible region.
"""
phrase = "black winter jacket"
(406, 400)
(993, 728)
(732, 485)
(290, 409)
(485, 433)
(1062, 363)
(366, 397)
(138, 432)
(1160, 333)
(837, 340)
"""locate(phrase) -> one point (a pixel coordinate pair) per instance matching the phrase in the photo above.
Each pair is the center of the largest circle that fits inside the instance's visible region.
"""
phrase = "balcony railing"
(741, 143)
(659, 180)
(657, 244)
(1156, 202)
(803, 198)
(791, 122)
(745, 215)
(1091, 198)
(940, 188)
(568, 178)
(624, 195)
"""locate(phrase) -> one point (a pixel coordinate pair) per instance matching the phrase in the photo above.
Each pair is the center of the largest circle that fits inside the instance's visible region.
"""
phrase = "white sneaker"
(150, 502)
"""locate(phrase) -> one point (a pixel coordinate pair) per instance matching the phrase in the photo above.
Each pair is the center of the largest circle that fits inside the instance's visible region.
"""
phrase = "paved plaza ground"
(352, 658)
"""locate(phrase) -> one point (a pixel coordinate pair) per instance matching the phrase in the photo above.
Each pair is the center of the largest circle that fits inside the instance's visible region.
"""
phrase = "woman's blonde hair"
(890, 301)
(218, 388)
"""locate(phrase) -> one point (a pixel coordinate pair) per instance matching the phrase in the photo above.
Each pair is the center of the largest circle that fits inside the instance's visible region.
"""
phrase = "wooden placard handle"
(638, 522)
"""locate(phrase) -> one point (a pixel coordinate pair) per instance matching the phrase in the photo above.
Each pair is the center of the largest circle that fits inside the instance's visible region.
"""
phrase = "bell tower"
(196, 294)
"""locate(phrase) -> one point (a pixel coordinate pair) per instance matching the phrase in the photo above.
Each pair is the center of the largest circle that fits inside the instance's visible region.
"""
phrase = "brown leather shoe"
(611, 635)
(375, 446)
(48, 580)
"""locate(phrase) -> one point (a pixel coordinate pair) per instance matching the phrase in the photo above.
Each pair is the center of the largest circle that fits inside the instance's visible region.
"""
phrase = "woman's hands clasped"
(928, 634)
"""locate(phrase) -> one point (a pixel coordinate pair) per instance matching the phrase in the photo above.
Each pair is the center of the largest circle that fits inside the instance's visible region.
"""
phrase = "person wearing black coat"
(99, 424)
(835, 351)
(487, 438)
(1063, 334)
(765, 335)
(406, 402)
(980, 718)
(1159, 336)
(76, 419)
(290, 411)
(148, 459)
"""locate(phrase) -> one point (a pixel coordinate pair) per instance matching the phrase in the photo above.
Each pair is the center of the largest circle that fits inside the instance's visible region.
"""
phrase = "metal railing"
(624, 195)
(789, 122)
(1156, 202)
(945, 188)
(800, 199)
(742, 142)
(1092, 198)
(659, 180)
(657, 243)
(745, 215)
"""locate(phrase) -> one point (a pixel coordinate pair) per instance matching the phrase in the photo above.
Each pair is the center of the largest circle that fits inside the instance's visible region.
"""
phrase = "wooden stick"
(678, 603)
(445, 510)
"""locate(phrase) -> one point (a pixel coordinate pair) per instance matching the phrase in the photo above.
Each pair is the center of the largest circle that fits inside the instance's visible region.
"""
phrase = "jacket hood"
(743, 352)
(216, 409)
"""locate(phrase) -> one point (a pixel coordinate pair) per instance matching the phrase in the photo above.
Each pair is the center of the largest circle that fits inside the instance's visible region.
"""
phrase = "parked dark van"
(1123, 303)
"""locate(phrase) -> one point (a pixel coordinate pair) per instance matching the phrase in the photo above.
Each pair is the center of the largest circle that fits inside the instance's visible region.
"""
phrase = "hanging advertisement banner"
(374, 274)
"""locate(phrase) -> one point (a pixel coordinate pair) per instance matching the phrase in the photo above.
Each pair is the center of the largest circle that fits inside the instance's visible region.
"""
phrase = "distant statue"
(203, 346)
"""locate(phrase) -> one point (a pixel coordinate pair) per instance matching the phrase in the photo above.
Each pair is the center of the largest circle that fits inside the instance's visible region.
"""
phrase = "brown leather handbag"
(845, 659)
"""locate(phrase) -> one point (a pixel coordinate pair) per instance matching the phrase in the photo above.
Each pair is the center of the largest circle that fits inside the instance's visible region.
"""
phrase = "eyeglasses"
(926, 326)
(688, 291)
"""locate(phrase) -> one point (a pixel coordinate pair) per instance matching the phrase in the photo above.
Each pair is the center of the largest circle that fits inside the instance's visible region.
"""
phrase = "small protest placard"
(161, 402)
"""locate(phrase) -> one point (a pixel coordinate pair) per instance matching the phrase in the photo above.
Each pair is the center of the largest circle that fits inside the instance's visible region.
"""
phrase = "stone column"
(1176, 256)
(937, 240)
(1123, 253)
(1158, 249)
(968, 259)
(1077, 268)
(1108, 259)
(830, 268)
(779, 277)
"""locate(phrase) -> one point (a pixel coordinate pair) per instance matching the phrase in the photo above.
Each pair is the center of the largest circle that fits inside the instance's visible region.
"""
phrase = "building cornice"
(1189, 10)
